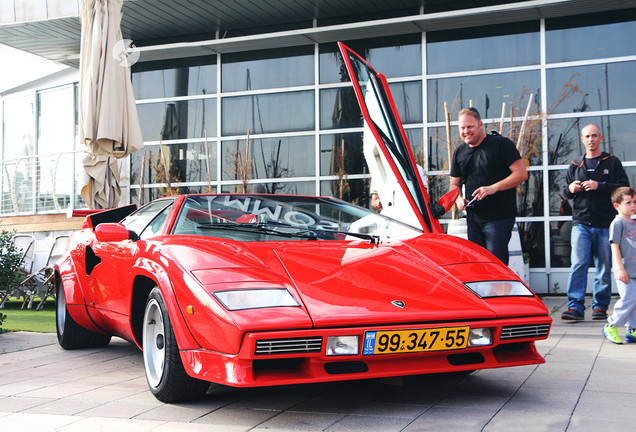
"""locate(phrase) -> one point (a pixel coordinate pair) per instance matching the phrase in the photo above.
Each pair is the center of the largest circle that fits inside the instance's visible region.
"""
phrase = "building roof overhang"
(148, 21)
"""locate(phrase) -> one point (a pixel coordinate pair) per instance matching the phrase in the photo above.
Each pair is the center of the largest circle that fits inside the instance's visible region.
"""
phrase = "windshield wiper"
(311, 234)
(258, 228)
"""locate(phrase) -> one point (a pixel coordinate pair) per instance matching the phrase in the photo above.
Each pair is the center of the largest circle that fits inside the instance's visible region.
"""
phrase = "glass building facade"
(286, 120)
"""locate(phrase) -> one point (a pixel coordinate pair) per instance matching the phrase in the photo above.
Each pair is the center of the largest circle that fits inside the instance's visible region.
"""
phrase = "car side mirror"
(444, 204)
(114, 232)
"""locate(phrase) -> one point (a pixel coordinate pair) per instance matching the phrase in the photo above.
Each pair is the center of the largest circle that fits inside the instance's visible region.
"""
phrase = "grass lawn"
(42, 321)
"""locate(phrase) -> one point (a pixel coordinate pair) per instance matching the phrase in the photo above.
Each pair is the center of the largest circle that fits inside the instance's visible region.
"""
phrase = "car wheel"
(165, 373)
(71, 335)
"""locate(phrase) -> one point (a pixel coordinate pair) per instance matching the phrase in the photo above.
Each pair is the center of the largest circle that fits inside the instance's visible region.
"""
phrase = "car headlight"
(488, 289)
(342, 345)
(255, 298)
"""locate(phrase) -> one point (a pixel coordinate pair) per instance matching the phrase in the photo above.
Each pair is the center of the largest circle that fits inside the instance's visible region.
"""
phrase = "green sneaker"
(611, 332)
(630, 336)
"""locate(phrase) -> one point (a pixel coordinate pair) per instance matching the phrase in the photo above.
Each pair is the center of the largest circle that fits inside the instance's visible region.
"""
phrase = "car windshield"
(285, 217)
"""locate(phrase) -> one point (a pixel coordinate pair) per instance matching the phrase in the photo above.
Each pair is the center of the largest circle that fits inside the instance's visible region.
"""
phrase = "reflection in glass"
(148, 194)
(564, 142)
(559, 206)
(286, 188)
(530, 195)
(438, 185)
(392, 56)
(438, 149)
(342, 154)
(270, 158)
(56, 115)
(591, 88)
(591, 42)
(178, 120)
(187, 163)
(171, 82)
(483, 48)
(339, 109)
(268, 69)
(414, 136)
(533, 242)
(268, 113)
(408, 100)
(560, 248)
(487, 92)
(17, 178)
(355, 191)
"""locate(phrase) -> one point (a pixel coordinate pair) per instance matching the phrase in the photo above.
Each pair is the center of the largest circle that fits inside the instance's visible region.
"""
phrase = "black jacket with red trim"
(594, 208)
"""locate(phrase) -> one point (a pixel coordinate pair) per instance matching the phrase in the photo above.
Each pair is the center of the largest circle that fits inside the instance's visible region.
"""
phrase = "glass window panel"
(565, 142)
(178, 120)
(270, 158)
(560, 247)
(392, 56)
(339, 108)
(355, 191)
(280, 188)
(148, 194)
(56, 134)
(269, 113)
(481, 48)
(414, 136)
(408, 100)
(438, 185)
(530, 195)
(559, 206)
(533, 242)
(591, 88)
(17, 125)
(596, 40)
(167, 81)
(488, 93)
(187, 163)
(268, 69)
(438, 148)
(342, 154)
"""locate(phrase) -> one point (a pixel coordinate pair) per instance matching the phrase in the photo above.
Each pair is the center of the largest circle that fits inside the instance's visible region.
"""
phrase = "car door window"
(151, 217)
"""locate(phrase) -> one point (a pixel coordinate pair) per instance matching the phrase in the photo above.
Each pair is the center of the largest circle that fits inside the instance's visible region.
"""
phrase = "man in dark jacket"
(590, 181)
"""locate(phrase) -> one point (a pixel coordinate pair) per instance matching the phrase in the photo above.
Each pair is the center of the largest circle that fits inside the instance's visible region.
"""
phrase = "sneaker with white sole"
(611, 333)
(630, 336)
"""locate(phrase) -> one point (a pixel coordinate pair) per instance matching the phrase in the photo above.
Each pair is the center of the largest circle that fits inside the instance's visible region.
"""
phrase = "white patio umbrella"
(108, 121)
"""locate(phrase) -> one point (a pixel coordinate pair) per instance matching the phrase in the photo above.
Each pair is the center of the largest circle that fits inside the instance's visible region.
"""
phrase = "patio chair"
(57, 250)
(40, 283)
(25, 243)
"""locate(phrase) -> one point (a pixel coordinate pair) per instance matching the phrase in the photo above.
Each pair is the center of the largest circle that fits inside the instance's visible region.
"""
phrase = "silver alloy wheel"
(60, 306)
(154, 343)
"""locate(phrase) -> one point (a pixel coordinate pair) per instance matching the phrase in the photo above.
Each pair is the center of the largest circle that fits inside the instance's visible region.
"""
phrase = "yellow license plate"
(416, 340)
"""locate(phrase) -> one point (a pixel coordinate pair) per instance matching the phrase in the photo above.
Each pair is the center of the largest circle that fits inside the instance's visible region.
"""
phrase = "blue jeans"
(587, 243)
(493, 236)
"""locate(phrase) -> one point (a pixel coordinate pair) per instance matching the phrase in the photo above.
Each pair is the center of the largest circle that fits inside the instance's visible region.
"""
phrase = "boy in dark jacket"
(590, 181)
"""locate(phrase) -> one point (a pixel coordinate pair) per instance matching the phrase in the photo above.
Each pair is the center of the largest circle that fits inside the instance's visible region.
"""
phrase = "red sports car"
(260, 290)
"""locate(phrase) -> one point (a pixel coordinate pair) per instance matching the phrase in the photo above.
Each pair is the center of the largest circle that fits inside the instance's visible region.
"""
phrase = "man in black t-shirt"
(491, 168)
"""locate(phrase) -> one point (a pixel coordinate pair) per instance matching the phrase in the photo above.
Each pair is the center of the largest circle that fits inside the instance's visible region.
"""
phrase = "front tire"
(71, 335)
(165, 373)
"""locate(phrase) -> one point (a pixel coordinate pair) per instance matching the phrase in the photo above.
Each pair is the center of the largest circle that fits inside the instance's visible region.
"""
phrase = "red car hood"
(359, 281)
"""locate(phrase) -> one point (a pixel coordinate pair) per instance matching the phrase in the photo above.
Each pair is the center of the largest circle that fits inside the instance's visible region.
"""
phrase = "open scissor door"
(387, 152)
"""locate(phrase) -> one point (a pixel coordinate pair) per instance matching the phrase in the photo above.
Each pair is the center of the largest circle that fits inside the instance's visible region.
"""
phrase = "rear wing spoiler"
(96, 217)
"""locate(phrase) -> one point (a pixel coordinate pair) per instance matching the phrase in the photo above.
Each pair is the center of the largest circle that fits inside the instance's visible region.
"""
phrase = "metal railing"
(41, 184)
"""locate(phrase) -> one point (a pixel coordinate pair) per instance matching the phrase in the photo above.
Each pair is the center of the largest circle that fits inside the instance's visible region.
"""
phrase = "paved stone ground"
(44, 388)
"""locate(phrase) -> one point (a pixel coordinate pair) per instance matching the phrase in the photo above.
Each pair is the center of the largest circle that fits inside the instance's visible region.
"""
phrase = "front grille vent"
(288, 346)
(525, 331)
